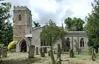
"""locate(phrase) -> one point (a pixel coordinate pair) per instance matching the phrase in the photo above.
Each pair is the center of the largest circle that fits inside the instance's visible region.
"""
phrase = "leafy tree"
(36, 24)
(78, 23)
(92, 26)
(4, 15)
(75, 24)
(69, 23)
(50, 33)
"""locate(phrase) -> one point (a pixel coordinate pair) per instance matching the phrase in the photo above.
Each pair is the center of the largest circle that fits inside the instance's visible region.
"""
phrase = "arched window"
(68, 42)
(41, 42)
(82, 42)
(20, 18)
(67, 47)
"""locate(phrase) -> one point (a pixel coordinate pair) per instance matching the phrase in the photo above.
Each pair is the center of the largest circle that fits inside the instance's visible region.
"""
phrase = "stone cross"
(31, 51)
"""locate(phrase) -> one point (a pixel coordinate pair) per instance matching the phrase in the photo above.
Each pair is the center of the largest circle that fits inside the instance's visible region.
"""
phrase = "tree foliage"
(8, 33)
(75, 24)
(51, 32)
(92, 26)
(5, 27)
(36, 24)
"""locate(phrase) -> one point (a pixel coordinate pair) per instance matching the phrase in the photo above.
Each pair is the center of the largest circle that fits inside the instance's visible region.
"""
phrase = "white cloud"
(57, 10)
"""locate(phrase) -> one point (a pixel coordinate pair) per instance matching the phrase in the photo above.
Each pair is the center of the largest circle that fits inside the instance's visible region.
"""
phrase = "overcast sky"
(57, 10)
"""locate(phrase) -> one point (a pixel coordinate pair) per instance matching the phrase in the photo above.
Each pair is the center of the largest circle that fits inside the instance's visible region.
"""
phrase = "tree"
(4, 15)
(51, 33)
(92, 26)
(36, 24)
(69, 23)
(78, 23)
(75, 24)
(8, 33)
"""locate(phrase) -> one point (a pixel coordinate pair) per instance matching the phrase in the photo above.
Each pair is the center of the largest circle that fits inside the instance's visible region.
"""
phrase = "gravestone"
(49, 49)
(42, 52)
(36, 50)
(45, 49)
(49, 52)
(4, 52)
(0, 51)
(31, 51)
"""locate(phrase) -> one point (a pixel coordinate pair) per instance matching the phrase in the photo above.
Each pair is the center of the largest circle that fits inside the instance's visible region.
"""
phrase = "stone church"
(25, 35)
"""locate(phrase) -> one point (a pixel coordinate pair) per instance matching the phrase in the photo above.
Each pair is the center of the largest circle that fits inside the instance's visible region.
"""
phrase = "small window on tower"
(20, 18)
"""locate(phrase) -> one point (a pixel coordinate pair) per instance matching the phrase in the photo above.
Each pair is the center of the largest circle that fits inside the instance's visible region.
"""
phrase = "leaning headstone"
(36, 50)
(31, 51)
(4, 52)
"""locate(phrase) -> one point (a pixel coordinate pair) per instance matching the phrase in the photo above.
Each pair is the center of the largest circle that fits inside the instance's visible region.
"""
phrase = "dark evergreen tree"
(4, 15)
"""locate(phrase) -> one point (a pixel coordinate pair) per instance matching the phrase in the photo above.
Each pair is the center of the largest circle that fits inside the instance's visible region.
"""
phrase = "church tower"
(22, 22)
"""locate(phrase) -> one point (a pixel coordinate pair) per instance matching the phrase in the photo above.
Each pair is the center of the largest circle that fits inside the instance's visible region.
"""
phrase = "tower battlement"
(21, 8)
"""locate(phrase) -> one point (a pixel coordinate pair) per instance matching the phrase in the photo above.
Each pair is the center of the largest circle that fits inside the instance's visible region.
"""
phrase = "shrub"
(12, 45)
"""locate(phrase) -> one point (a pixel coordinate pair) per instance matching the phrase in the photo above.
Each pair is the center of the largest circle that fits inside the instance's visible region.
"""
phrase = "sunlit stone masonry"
(26, 35)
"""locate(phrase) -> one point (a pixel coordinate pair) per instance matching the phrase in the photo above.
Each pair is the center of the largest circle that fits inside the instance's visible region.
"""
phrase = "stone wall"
(36, 41)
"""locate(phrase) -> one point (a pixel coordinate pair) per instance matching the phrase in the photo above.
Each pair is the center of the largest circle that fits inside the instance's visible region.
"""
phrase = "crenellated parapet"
(21, 8)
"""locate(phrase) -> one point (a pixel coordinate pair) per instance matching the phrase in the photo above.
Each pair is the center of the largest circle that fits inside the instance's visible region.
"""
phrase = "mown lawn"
(83, 54)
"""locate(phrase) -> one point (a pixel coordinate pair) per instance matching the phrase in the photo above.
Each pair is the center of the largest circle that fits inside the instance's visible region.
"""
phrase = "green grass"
(83, 54)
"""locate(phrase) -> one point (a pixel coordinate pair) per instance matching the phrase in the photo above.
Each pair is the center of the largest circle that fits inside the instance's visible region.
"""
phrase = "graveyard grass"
(22, 58)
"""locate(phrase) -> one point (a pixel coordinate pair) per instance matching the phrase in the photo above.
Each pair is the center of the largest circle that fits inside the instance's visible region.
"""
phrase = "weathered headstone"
(42, 52)
(0, 51)
(45, 49)
(36, 50)
(4, 52)
(49, 52)
(71, 53)
(31, 51)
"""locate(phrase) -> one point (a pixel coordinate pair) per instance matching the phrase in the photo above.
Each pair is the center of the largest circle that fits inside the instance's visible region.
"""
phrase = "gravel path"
(22, 58)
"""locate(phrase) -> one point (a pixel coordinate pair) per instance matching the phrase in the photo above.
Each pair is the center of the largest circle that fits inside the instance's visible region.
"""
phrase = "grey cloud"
(68, 13)
(44, 16)
(58, 16)
(58, 0)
